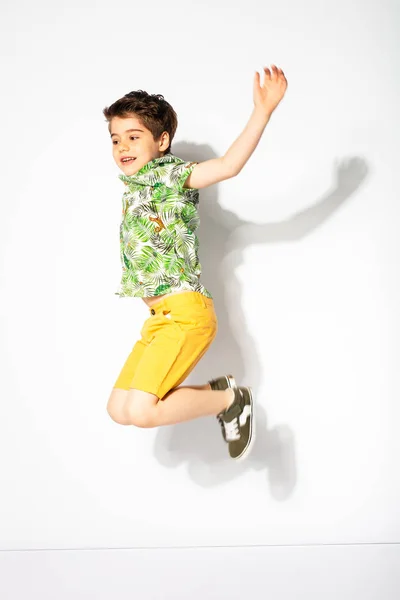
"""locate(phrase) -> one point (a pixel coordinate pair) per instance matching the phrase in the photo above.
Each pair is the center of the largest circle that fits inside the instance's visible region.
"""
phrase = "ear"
(163, 143)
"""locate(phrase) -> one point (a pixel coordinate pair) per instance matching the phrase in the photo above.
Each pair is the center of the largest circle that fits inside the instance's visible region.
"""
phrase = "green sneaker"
(222, 383)
(238, 423)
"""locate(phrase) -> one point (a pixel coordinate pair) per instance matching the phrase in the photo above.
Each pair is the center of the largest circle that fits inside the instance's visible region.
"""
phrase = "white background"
(300, 251)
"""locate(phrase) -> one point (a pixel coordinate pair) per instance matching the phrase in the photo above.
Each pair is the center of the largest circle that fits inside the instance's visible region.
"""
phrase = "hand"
(268, 95)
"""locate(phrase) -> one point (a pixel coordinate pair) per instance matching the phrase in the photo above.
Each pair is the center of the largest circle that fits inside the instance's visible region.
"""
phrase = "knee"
(117, 414)
(132, 415)
(140, 415)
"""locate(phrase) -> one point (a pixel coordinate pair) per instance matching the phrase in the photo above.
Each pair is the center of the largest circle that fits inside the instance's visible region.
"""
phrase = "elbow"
(234, 173)
(231, 172)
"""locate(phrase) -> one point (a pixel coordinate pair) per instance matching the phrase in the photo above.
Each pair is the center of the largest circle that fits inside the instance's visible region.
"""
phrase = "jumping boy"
(160, 264)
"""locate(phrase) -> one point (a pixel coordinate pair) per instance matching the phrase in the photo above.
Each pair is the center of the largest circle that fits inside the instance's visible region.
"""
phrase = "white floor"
(353, 572)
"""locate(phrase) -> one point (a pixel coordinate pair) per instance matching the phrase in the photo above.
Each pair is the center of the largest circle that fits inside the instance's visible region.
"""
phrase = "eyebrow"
(128, 130)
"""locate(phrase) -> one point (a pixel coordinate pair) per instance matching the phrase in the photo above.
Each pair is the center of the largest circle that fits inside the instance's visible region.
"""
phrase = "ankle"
(230, 397)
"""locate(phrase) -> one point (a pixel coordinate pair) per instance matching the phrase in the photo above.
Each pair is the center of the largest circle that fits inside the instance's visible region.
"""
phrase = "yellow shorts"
(174, 338)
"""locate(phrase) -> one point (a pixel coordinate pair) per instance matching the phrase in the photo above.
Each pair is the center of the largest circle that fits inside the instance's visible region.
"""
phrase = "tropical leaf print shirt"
(158, 241)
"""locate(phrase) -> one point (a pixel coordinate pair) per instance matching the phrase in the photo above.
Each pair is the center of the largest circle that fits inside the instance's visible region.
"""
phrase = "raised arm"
(266, 99)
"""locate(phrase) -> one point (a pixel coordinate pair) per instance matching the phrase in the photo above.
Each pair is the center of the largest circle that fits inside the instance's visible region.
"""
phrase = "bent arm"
(266, 98)
(218, 169)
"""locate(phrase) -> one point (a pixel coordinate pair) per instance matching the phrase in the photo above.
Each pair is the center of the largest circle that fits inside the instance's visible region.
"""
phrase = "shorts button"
(153, 312)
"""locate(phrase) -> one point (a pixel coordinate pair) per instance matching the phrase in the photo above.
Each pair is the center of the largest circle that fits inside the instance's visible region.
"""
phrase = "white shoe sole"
(252, 438)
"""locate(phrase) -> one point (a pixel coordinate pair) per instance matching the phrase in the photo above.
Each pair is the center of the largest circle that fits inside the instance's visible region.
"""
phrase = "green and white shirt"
(158, 241)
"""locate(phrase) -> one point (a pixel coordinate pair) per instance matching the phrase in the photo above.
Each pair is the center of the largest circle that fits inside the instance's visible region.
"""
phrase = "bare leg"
(207, 386)
(135, 407)
(186, 403)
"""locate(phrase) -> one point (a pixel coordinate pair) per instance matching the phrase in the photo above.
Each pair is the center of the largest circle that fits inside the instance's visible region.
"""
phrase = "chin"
(131, 169)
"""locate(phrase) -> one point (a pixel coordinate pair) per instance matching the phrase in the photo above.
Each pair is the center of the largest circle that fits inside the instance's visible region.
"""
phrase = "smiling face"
(132, 140)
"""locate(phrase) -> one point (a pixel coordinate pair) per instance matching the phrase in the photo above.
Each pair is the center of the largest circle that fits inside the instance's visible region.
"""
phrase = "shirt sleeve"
(178, 173)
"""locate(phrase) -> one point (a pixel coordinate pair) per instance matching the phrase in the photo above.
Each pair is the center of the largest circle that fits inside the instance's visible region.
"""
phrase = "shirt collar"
(151, 172)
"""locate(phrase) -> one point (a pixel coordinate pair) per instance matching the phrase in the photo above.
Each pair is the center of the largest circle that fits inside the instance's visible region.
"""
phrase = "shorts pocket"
(193, 319)
(181, 318)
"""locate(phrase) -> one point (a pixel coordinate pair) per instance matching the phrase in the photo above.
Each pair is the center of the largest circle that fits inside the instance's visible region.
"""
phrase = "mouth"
(127, 160)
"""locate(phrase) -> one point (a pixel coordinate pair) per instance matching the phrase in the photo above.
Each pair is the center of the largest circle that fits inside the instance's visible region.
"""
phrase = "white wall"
(301, 253)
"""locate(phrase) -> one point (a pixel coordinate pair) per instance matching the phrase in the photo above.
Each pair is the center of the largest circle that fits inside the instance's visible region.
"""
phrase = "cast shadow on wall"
(223, 236)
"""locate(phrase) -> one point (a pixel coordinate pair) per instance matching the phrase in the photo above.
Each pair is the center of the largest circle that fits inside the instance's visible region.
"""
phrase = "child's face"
(138, 144)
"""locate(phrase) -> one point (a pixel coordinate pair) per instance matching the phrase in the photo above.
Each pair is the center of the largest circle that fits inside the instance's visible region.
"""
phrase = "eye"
(134, 137)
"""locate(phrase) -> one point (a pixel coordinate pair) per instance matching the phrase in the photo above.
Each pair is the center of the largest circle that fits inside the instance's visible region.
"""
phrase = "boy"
(159, 257)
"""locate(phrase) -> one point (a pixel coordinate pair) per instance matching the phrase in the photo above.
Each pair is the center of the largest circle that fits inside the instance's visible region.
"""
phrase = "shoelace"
(222, 424)
(232, 430)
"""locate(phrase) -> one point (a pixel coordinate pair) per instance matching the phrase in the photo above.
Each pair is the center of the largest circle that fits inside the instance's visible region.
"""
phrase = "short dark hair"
(152, 110)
